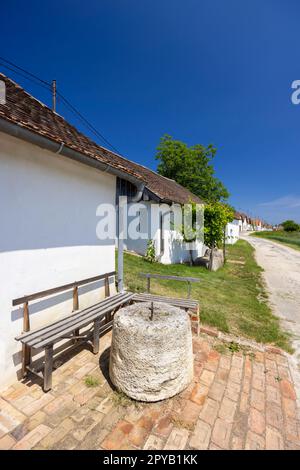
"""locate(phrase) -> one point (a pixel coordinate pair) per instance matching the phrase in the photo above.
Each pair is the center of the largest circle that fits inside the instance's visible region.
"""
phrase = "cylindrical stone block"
(151, 360)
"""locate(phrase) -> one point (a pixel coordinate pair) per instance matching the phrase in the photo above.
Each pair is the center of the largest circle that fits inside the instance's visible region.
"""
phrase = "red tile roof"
(26, 111)
(237, 216)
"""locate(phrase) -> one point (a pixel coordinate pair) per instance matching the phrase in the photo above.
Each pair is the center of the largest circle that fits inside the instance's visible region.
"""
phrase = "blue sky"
(203, 71)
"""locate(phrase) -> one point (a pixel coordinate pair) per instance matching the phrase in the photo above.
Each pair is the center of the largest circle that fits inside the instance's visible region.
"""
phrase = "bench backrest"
(189, 280)
(45, 293)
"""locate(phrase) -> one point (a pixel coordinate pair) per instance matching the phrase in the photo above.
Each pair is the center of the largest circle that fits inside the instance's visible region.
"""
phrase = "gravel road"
(281, 266)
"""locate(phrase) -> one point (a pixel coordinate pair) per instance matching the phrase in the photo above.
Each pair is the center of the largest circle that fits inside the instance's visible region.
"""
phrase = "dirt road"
(281, 266)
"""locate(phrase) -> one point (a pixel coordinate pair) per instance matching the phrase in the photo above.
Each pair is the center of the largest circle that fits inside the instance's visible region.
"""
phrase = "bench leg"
(76, 333)
(26, 354)
(96, 334)
(48, 368)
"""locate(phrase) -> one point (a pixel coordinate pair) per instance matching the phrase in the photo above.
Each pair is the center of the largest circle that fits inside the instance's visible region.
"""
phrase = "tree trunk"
(224, 245)
(191, 258)
(211, 257)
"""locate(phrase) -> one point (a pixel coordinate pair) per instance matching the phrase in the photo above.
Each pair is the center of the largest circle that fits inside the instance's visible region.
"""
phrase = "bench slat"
(63, 327)
(70, 318)
(61, 331)
(44, 341)
(179, 299)
(186, 301)
(173, 301)
(56, 335)
(167, 301)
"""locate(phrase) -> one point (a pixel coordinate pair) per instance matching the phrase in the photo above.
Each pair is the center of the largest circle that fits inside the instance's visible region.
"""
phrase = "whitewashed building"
(52, 181)
(258, 225)
(233, 229)
(245, 222)
(158, 217)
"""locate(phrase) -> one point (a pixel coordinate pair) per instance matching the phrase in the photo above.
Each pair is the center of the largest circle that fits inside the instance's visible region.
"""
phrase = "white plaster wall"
(232, 232)
(175, 249)
(245, 225)
(47, 237)
(139, 245)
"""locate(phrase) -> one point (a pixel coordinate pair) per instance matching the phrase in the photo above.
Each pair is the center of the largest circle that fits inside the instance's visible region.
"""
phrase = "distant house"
(238, 217)
(233, 229)
(245, 222)
(249, 224)
(258, 225)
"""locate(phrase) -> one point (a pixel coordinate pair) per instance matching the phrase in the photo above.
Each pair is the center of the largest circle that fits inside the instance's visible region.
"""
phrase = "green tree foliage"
(191, 229)
(191, 167)
(150, 252)
(290, 226)
(216, 217)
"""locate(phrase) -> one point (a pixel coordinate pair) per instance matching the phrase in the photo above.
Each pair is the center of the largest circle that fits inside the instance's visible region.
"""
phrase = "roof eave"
(20, 132)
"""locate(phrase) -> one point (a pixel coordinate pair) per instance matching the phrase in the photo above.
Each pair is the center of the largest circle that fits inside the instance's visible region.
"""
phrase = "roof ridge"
(162, 176)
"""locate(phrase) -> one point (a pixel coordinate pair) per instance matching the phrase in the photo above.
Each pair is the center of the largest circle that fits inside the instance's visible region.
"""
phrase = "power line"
(38, 81)
(26, 71)
(85, 121)
(24, 76)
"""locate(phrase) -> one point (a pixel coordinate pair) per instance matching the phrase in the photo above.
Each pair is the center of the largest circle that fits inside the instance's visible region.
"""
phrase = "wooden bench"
(98, 315)
(189, 305)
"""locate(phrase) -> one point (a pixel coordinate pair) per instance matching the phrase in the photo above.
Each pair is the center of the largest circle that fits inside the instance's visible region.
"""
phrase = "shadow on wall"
(56, 299)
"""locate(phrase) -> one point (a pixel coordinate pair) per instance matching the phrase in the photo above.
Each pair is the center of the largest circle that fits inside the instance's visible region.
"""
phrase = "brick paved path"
(240, 400)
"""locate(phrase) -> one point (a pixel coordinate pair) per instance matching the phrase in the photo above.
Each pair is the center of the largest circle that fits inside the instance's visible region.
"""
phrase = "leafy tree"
(191, 167)
(290, 226)
(216, 217)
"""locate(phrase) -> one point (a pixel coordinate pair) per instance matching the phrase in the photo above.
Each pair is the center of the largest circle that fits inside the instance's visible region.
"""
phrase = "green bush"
(290, 226)
(150, 253)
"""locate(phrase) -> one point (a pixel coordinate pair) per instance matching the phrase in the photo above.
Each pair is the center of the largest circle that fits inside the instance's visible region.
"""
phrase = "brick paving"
(245, 399)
